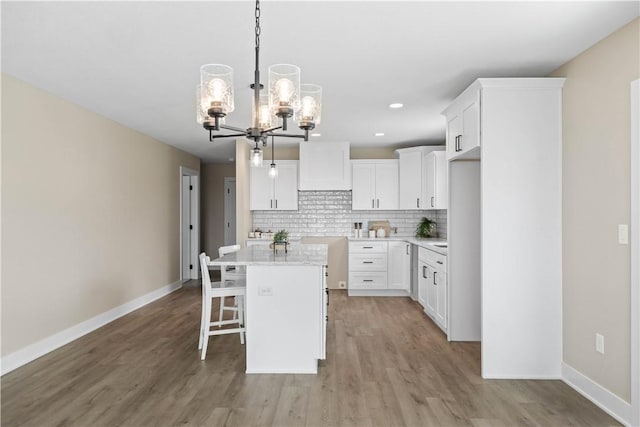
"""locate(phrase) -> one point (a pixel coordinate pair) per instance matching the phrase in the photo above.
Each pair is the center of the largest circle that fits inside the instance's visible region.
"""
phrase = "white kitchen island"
(286, 307)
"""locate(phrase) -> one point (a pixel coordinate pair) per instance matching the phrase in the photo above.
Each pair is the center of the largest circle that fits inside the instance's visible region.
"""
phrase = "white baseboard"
(600, 396)
(521, 377)
(377, 293)
(33, 351)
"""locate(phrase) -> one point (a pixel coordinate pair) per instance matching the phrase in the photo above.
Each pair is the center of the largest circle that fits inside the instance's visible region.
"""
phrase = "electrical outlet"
(342, 284)
(623, 234)
(600, 343)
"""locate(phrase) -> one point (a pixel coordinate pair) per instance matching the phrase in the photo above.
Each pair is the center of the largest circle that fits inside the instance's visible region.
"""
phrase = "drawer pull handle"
(434, 278)
(368, 280)
(367, 262)
(367, 247)
(439, 262)
(424, 271)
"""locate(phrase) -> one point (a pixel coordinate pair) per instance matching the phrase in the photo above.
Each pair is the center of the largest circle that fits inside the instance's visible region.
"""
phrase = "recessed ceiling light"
(379, 134)
(316, 134)
(396, 105)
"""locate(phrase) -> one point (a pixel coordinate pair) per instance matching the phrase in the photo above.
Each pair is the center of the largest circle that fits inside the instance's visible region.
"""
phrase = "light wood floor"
(387, 365)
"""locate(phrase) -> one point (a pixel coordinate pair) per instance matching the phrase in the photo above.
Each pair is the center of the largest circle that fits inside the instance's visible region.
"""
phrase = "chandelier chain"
(257, 23)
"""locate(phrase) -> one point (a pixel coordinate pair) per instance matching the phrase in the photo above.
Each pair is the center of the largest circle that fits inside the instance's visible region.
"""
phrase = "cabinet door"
(260, 189)
(286, 187)
(363, 180)
(399, 266)
(441, 181)
(386, 185)
(423, 282)
(429, 168)
(410, 173)
(441, 297)
(454, 130)
(470, 126)
(432, 292)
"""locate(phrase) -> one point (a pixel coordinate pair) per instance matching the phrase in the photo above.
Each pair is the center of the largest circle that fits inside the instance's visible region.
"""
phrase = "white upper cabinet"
(411, 194)
(421, 177)
(324, 166)
(463, 125)
(375, 184)
(281, 193)
(435, 180)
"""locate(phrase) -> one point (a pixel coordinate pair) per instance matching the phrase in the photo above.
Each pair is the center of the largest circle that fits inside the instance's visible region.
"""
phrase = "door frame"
(634, 226)
(195, 221)
(227, 207)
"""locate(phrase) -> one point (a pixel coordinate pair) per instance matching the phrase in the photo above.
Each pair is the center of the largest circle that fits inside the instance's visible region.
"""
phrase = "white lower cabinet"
(432, 286)
(399, 266)
(379, 268)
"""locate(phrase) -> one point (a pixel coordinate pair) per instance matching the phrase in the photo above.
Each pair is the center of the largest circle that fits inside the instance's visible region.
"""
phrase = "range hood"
(324, 166)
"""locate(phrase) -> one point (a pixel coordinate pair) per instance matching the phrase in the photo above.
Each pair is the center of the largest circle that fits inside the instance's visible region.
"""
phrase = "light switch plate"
(623, 234)
(600, 343)
(265, 291)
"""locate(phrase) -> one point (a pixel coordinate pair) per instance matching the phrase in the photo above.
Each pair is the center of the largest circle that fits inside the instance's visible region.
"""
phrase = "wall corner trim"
(600, 396)
(33, 351)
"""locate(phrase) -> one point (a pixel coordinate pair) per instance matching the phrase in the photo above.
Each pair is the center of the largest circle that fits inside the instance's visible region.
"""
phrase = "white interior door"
(185, 227)
(229, 211)
(189, 224)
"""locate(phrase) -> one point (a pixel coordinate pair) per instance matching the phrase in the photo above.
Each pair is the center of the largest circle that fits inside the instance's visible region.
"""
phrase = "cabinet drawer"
(376, 280)
(434, 258)
(368, 262)
(367, 247)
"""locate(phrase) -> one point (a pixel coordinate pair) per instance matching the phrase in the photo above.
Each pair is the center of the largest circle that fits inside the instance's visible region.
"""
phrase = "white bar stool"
(211, 290)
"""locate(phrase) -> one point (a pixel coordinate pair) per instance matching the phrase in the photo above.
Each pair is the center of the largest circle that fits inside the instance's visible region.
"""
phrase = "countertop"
(297, 254)
(425, 243)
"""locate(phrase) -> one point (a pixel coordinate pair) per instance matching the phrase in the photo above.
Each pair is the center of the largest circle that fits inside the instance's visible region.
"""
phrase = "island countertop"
(297, 254)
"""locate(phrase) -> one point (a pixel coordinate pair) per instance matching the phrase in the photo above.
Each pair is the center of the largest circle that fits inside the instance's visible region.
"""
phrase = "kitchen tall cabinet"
(375, 184)
(280, 193)
(505, 224)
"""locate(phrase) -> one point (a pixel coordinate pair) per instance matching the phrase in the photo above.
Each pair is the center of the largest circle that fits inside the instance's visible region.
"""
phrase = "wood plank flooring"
(387, 365)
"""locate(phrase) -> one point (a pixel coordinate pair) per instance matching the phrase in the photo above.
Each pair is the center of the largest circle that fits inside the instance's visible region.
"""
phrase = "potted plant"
(280, 240)
(426, 228)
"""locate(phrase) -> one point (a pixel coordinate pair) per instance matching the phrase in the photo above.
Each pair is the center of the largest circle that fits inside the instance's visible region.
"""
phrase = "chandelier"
(285, 98)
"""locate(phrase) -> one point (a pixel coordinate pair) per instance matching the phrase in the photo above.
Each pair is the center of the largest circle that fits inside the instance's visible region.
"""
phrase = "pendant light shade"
(273, 170)
(256, 157)
(216, 81)
(284, 89)
(308, 115)
(266, 120)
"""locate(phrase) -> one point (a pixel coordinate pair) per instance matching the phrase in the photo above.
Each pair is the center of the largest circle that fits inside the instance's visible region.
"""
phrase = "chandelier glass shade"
(274, 106)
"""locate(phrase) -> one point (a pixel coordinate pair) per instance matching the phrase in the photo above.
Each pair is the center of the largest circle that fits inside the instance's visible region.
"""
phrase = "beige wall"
(293, 153)
(337, 258)
(90, 214)
(596, 278)
(212, 204)
(243, 213)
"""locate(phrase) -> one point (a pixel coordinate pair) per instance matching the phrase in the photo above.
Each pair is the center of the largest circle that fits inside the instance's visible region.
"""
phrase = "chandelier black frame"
(215, 112)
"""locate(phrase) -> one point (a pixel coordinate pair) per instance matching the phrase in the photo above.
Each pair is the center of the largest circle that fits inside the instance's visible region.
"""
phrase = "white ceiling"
(138, 62)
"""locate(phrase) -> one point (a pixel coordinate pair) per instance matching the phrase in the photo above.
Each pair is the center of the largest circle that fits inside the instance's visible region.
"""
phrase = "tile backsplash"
(328, 213)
